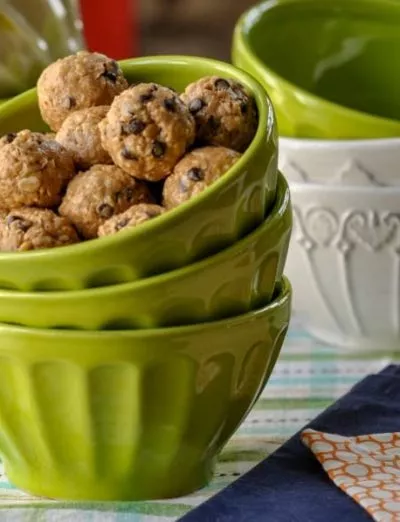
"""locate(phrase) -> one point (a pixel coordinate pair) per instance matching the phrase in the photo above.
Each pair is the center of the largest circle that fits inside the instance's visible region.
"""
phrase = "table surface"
(308, 377)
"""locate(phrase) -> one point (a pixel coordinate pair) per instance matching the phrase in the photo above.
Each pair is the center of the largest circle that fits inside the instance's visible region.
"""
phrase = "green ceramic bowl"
(130, 415)
(328, 66)
(226, 211)
(229, 283)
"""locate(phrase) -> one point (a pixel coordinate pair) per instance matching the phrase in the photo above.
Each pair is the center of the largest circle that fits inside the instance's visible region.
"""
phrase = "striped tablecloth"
(308, 377)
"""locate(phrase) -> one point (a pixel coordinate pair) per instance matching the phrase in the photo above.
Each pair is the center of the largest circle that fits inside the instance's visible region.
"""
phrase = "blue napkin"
(290, 485)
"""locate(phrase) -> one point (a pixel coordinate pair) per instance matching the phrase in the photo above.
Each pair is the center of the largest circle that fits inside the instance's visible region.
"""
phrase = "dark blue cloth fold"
(290, 485)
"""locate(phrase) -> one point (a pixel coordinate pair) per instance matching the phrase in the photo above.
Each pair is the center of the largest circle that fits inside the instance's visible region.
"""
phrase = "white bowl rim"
(340, 144)
(333, 190)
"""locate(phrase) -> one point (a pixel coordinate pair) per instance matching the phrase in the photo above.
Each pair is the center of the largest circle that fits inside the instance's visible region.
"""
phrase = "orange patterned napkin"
(367, 468)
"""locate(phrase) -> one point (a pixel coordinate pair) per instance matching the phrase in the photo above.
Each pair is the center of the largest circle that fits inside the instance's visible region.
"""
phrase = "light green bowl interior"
(343, 52)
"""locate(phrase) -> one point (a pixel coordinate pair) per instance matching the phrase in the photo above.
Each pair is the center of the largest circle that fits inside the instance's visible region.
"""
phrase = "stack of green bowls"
(127, 362)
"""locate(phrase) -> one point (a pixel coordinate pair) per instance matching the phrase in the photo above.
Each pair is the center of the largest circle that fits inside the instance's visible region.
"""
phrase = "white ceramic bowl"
(349, 162)
(344, 263)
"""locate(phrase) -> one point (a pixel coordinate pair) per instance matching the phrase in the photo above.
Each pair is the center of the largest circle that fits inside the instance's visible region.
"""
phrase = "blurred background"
(201, 27)
(34, 33)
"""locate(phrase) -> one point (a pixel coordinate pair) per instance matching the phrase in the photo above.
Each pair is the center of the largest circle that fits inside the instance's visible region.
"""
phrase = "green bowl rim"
(280, 205)
(249, 19)
(266, 125)
(285, 292)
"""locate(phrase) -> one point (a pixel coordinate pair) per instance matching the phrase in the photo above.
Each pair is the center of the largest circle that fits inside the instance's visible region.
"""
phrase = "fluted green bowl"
(130, 415)
(328, 66)
(229, 283)
(211, 221)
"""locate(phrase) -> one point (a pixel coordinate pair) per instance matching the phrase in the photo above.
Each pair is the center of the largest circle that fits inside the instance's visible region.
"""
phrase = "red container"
(111, 27)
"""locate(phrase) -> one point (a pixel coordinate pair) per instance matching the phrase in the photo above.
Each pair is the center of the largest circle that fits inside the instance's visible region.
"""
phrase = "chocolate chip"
(196, 105)
(111, 71)
(105, 210)
(128, 193)
(11, 219)
(158, 149)
(195, 174)
(19, 222)
(109, 75)
(221, 84)
(244, 107)
(154, 87)
(213, 124)
(121, 224)
(70, 102)
(127, 154)
(135, 126)
(144, 98)
(10, 137)
(170, 104)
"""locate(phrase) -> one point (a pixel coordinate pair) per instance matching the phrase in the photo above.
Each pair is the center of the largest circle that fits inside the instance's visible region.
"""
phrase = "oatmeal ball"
(77, 82)
(98, 194)
(33, 228)
(80, 134)
(195, 172)
(33, 171)
(132, 217)
(147, 130)
(225, 114)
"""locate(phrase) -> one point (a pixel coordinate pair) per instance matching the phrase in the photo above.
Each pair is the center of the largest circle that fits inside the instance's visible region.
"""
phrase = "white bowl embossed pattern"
(344, 263)
(373, 163)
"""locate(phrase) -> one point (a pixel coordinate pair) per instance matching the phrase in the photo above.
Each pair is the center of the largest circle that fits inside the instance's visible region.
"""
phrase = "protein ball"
(98, 194)
(34, 228)
(195, 172)
(77, 82)
(33, 171)
(134, 216)
(147, 130)
(80, 134)
(225, 113)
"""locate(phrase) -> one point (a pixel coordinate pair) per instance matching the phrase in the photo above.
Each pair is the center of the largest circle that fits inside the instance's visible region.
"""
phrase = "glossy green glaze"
(231, 282)
(226, 211)
(130, 415)
(329, 67)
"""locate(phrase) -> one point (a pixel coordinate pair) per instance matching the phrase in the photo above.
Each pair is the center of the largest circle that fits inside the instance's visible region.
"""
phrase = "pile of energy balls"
(118, 156)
